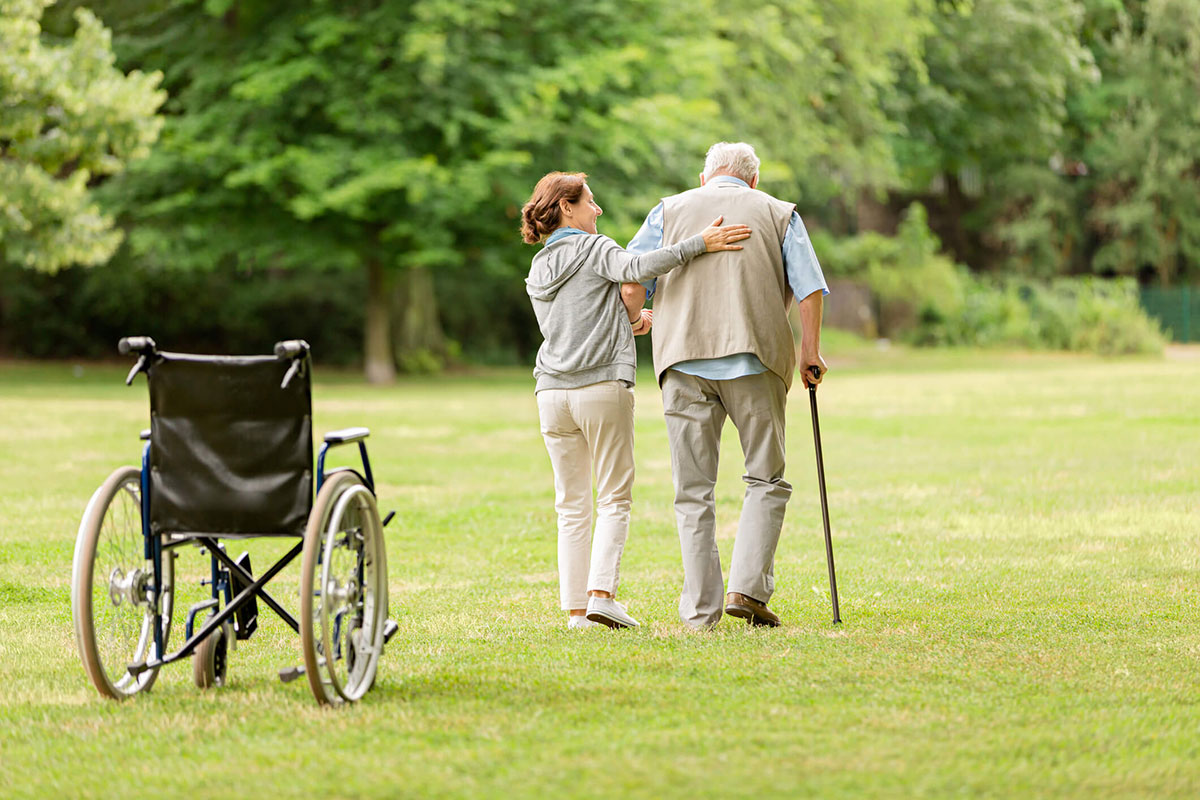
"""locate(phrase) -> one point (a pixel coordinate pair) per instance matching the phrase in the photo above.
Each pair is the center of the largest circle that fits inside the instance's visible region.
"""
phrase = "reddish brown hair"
(542, 215)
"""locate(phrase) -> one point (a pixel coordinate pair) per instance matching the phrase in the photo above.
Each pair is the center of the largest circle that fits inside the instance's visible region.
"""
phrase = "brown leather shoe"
(749, 609)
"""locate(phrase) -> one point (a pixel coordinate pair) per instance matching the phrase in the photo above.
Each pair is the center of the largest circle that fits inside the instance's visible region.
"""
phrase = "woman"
(585, 374)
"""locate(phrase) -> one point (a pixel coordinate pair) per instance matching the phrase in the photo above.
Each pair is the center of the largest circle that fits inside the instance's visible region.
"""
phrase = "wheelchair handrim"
(359, 677)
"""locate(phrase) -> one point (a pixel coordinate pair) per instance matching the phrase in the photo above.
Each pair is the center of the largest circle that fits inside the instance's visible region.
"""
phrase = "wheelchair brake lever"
(138, 367)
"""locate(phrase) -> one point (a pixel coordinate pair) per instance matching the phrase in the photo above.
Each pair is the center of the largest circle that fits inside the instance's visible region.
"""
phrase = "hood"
(557, 263)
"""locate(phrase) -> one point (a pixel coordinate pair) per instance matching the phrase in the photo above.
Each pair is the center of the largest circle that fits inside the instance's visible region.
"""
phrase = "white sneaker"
(579, 621)
(608, 611)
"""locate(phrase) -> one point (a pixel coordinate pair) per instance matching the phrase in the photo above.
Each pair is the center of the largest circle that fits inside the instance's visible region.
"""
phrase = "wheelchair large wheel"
(114, 618)
(343, 590)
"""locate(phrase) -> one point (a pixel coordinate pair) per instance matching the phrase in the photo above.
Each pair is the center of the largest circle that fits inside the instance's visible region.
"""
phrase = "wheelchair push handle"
(295, 349)
(136, 344)
(291, 348)
(142, 345)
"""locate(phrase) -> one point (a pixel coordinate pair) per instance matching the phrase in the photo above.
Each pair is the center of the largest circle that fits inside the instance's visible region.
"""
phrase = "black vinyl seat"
(231, 448)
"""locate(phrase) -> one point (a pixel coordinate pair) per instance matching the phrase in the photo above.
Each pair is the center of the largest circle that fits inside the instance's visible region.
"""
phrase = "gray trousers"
(695, 410)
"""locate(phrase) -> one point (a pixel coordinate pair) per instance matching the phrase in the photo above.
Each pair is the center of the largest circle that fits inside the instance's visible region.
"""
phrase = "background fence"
(1177, 308)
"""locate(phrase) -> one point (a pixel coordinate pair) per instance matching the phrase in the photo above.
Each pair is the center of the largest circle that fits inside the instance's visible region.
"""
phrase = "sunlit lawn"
(1017, 540)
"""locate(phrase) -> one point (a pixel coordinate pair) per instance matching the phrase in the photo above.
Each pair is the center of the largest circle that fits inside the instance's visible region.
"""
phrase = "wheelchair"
(228, 456)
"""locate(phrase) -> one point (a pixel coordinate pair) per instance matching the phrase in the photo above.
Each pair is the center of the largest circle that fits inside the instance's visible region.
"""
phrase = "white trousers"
(586, 430)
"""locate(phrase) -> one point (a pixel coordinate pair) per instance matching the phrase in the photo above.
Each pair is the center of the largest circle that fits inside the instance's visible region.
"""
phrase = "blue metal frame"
(366, 462)
(223, 568)
(153, 550)
(220, 582)
(146, 500)
(218, 619)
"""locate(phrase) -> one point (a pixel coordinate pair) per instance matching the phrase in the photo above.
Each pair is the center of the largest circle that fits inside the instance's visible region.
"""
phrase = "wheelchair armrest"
(347, 435)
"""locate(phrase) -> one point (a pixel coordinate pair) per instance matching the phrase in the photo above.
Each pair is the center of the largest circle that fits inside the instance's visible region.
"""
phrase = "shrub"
(924, 298)
(82, 312)
(1078, 314)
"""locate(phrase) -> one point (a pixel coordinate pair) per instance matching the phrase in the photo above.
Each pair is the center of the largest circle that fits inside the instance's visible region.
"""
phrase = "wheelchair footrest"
(289, 674)
(389, 630)
(136, 668)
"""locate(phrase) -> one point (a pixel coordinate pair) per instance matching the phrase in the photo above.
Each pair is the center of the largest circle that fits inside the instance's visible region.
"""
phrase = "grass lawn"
(1017, 547)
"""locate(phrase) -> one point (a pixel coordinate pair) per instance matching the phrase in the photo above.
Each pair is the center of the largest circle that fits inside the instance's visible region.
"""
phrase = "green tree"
(69, 118)
(805, 81)
(401, 137)
(1145, 151)
(985, 122)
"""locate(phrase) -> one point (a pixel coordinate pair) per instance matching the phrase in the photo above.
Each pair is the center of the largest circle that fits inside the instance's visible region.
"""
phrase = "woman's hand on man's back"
(722, 237)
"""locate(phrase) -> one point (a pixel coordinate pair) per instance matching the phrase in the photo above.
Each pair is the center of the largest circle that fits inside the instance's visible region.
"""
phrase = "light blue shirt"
(800, 265)
(562, 233)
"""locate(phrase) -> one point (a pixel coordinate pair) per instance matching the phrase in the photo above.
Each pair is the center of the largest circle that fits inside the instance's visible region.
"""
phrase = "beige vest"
(728, 302)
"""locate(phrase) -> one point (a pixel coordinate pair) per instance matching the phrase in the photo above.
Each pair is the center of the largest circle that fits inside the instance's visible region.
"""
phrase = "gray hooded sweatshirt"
(575, 287)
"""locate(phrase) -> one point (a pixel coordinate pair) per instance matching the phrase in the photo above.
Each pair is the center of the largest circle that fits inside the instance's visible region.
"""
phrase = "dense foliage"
(1144, 200)
(1060, 137)
(396, 140)
(80, 312)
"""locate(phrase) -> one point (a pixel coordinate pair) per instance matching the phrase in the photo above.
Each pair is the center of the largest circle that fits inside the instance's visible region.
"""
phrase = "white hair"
(735, 157)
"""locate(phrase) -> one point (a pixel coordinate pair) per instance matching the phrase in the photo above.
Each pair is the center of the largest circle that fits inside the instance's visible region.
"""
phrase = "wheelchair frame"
(233, 581)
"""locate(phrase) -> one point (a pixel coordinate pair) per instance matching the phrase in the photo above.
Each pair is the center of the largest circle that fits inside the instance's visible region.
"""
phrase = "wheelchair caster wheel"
(210, 663)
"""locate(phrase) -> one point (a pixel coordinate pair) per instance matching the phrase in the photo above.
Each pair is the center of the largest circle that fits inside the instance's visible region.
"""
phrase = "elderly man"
(723, 347)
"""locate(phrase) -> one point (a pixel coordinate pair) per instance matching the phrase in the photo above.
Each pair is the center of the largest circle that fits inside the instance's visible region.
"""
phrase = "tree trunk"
(873, 215)
(380, 365)
(1167, 263)
(957, 206)
(418, 339)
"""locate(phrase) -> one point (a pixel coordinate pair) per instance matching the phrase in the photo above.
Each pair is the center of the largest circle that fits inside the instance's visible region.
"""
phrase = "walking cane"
(812, 400)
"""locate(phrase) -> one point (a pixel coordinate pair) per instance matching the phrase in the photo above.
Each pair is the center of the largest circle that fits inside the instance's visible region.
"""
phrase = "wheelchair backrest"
(230, 449)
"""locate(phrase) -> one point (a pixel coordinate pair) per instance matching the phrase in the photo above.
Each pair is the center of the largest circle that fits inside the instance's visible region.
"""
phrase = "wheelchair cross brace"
(223, 616)
(248, 579)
